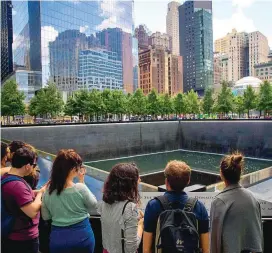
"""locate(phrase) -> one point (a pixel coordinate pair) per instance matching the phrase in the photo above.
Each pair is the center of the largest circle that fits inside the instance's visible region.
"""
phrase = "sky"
(244, 15)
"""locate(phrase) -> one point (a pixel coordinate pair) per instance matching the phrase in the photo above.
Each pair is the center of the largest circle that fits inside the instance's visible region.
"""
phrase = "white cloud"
(242, 3)
(48, 34)
(83, 29)
(111, 17)
(18, 41)
(238, 20)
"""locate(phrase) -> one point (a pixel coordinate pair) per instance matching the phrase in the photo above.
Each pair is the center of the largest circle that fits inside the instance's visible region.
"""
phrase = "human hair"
(4, 150)
(232, 167)
(65, 161)
(178, 175)
(122, 184)
(22, 157)
(15, 145)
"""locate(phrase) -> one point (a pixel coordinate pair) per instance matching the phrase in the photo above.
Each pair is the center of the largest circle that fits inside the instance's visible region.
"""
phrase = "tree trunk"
(248, 114)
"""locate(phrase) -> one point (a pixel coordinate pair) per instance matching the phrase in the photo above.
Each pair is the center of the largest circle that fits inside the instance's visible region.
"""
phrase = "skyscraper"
(158, 39)
(6, 39)
(258, 50)
(53, 33)
(161, 70)
(141, 34)
(172, 26)
(196, 45)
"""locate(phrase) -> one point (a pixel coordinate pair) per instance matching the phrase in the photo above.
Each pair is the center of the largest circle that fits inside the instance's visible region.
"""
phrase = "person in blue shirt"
(177, 177)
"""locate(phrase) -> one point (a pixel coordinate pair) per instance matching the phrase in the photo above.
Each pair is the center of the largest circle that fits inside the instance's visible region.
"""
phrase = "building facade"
(158, 39)
(221, 45)
(161, 70)
(258, 50)
(6, 39)
(48, 34)
(141, 33)
(99, 69)
(196, 45)
(172, 26)
(264, 71)
(237, 56)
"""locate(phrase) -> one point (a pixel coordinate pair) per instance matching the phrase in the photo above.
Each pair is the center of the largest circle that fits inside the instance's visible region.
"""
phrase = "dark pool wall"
(93, 142)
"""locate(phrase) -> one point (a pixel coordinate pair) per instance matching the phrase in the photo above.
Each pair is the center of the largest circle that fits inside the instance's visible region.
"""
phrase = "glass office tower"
(49, 37)
(196, 45)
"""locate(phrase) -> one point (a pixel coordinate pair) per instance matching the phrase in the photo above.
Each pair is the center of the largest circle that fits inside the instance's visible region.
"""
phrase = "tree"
(239, 105)
(225, 99)
(70, 107)
(265, 97)
(33, 107)
(95, 102)
(249, 99)
(138, 103)
(106, 99)
(81, 104)
(166, 104)
(48, 101)
(208, 101)
(118, 103)
(153, 103)
(192, 104)
(12, 100)
(179, 104)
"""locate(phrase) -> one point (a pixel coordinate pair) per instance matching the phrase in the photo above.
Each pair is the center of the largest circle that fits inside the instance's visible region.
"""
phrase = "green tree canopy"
(70, 106)
(153, 103)
(208, 101)
(249, 99)
(192, 103)
(179, 103)
(239, 106)
(167, 106)
(225, 99)
(265, 97)
(138, 103)
(12, 100)
(48, 101)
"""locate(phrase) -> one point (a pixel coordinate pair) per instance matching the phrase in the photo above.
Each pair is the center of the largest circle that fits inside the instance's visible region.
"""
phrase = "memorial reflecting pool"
(197, 160)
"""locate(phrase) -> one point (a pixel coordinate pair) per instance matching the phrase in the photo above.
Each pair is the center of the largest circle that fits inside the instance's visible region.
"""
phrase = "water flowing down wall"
(98, 141)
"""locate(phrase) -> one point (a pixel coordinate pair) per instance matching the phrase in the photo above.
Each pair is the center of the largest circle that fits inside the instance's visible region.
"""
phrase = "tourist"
(121, 221)
(5, 152)
(22, 203)
(177, 177)
(33, 178)
(68, 205)
(236, 224)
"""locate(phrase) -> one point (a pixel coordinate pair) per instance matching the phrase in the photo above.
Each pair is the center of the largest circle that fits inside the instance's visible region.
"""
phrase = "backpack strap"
(10, 179)
(190, 204)
(165, 203)
(122, 230)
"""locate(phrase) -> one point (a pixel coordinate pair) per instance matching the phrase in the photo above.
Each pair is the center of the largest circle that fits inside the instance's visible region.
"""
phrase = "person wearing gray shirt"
(235, 215)
(121, 221)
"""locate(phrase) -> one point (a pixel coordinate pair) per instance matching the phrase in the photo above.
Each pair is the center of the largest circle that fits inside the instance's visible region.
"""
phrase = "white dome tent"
(241, 85)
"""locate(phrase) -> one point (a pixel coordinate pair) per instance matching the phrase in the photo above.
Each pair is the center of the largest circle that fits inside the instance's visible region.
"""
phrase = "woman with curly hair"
(122, 222)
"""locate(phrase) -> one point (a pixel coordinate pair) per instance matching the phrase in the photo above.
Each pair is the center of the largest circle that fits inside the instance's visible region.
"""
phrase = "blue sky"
(244, 15)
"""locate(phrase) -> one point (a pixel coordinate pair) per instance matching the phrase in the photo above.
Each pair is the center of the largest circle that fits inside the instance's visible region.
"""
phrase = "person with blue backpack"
(174, 222)
(20, 206)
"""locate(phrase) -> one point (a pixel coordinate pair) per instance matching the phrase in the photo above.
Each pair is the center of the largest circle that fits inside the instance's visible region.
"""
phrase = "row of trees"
(91, 104)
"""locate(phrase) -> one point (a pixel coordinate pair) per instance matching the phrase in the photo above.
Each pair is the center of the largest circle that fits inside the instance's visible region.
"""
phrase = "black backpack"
(177, 229)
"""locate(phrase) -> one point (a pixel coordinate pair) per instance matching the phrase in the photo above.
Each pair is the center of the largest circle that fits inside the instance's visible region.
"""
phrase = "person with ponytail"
(68, 205)
(236, 224)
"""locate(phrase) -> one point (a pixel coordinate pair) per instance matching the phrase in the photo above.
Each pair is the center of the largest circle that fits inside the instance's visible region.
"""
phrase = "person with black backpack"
(174, 222)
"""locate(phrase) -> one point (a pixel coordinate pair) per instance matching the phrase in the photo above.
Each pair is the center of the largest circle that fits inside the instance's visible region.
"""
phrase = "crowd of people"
(172, 222)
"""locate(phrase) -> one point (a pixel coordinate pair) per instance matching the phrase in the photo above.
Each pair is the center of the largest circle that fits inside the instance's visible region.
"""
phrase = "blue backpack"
(7, 219)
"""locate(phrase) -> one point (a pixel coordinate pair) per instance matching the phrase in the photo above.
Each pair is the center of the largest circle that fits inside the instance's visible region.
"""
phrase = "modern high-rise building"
(196, 45)
(141, 33)
(48, 34)
(158, 39)
(161, 70)
(258, 50)
(99, 69)
(172, 26)
(6, 39)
